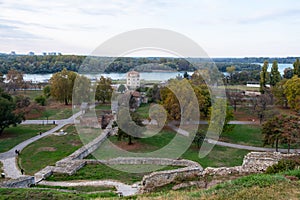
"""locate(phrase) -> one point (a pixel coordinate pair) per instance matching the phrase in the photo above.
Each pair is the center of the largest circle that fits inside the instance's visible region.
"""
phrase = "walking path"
(236, 146)
(10, 166)
(124, 189)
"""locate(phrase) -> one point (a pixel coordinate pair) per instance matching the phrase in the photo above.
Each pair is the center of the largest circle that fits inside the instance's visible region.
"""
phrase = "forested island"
(38, 64)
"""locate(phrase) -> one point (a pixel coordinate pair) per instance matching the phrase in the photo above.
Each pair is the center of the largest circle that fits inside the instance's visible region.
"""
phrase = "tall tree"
(103, 89)
(296, 65)
(288, 73)
(278, 92)
(230, 70)
(8, 114)
(275, 74)
(292, 92)
(263, 77)
(81, 90)
(15, 79)
(121, 88)
(62, 84)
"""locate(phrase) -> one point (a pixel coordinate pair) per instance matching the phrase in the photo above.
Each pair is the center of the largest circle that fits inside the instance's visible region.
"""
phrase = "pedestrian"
(2, 175)
(22, 171)
(17, 152)
(40, 132)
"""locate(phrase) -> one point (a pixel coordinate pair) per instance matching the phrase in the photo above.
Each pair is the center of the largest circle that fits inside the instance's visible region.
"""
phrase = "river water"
(161, 76)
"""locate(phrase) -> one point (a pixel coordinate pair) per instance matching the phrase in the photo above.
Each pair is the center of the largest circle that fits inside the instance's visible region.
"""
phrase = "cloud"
(13, 32)
(271, 16)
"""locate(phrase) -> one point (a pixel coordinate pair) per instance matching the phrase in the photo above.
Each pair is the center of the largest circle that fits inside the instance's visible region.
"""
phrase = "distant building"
(133, 80)
(31, 53)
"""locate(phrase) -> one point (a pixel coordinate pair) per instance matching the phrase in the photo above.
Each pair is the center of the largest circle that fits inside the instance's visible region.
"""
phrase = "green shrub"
(40, 100)
(284, 165)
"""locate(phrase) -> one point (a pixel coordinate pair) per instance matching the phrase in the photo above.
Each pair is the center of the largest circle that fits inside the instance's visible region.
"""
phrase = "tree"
(230, 70)
(103, 89)
(234, 98)
(62, 84)
(154, 93)
(82, 90)
(281, 129)
(263, 77)
(121, 88)
(40, 100)
(292, 92)
(186, 75)
(288, 73)
(278, 92)
(199, 138)
(296, 65)
(14, 79)
(8, 114)
(275, 74)
(130, 124)
(47, 91)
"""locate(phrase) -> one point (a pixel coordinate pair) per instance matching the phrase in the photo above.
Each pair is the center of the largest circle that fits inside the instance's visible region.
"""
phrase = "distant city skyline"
(223, 28)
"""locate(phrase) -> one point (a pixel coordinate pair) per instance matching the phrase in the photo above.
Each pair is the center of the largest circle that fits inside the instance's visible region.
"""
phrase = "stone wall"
(254, 162)
(22, 182)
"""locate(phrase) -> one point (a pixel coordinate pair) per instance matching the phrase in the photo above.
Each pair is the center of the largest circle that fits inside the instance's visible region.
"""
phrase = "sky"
(223, 28)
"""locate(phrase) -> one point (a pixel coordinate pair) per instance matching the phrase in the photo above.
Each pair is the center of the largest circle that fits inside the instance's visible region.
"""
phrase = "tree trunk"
(1, 130)
(276, 146)
(66, 101)
(129, 140)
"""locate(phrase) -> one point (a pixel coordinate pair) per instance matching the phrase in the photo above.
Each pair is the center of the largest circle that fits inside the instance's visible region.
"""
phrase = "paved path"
(124, 189)
(10, 166)
(236, 146)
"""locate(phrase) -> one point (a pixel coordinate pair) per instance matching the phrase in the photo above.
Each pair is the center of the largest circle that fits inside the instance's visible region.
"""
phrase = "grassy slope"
(15, 135)
(48, 150)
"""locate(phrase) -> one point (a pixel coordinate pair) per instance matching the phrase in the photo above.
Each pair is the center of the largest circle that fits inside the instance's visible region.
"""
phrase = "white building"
(133, 80)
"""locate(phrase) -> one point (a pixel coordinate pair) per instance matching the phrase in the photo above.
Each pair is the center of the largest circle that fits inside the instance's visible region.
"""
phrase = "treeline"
(52, 64)
(287, 60)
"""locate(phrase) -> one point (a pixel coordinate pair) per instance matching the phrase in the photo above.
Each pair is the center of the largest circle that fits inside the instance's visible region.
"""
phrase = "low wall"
(22, 182)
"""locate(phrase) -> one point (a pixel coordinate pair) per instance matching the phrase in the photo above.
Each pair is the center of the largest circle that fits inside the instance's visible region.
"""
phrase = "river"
(148, 76)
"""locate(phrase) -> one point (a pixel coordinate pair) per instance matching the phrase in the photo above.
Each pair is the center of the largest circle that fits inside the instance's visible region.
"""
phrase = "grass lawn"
(257, 186)
(32, 94)
(106, 106)
(15, 135)
(49, 150)
(80, 188)
(22, 193)
(104, 172)
(53, 113)
(143, 111)
(218, 157)
(244, 134)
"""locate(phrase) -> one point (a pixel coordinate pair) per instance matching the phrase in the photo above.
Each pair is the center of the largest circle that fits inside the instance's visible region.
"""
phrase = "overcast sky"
(223, 28)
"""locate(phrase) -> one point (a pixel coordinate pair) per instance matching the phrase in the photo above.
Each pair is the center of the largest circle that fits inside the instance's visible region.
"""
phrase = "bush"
(41, 100)
(284, 165)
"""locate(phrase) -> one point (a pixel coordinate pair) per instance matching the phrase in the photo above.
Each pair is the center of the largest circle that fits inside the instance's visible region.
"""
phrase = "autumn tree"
(263, 76)
(103, 89)
(292, 92)
(82, 90)
(8, 114)
(230, 70)
(275, 74)
(62, 84)
(281, 129)
(296, 66)
(14, 79)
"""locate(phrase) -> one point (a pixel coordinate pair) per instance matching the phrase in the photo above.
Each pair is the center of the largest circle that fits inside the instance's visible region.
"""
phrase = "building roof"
(133, 72)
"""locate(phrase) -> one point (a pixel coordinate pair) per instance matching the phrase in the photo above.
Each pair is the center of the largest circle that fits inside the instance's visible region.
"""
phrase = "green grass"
(55, 113)
(14, 135)
(80, 188)
(244, 134)
(143, 111)
(218, 157)
(48, 150)
(30, 93)
(103, 107)
(257, 186)
(104, 172)
(21, 194)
